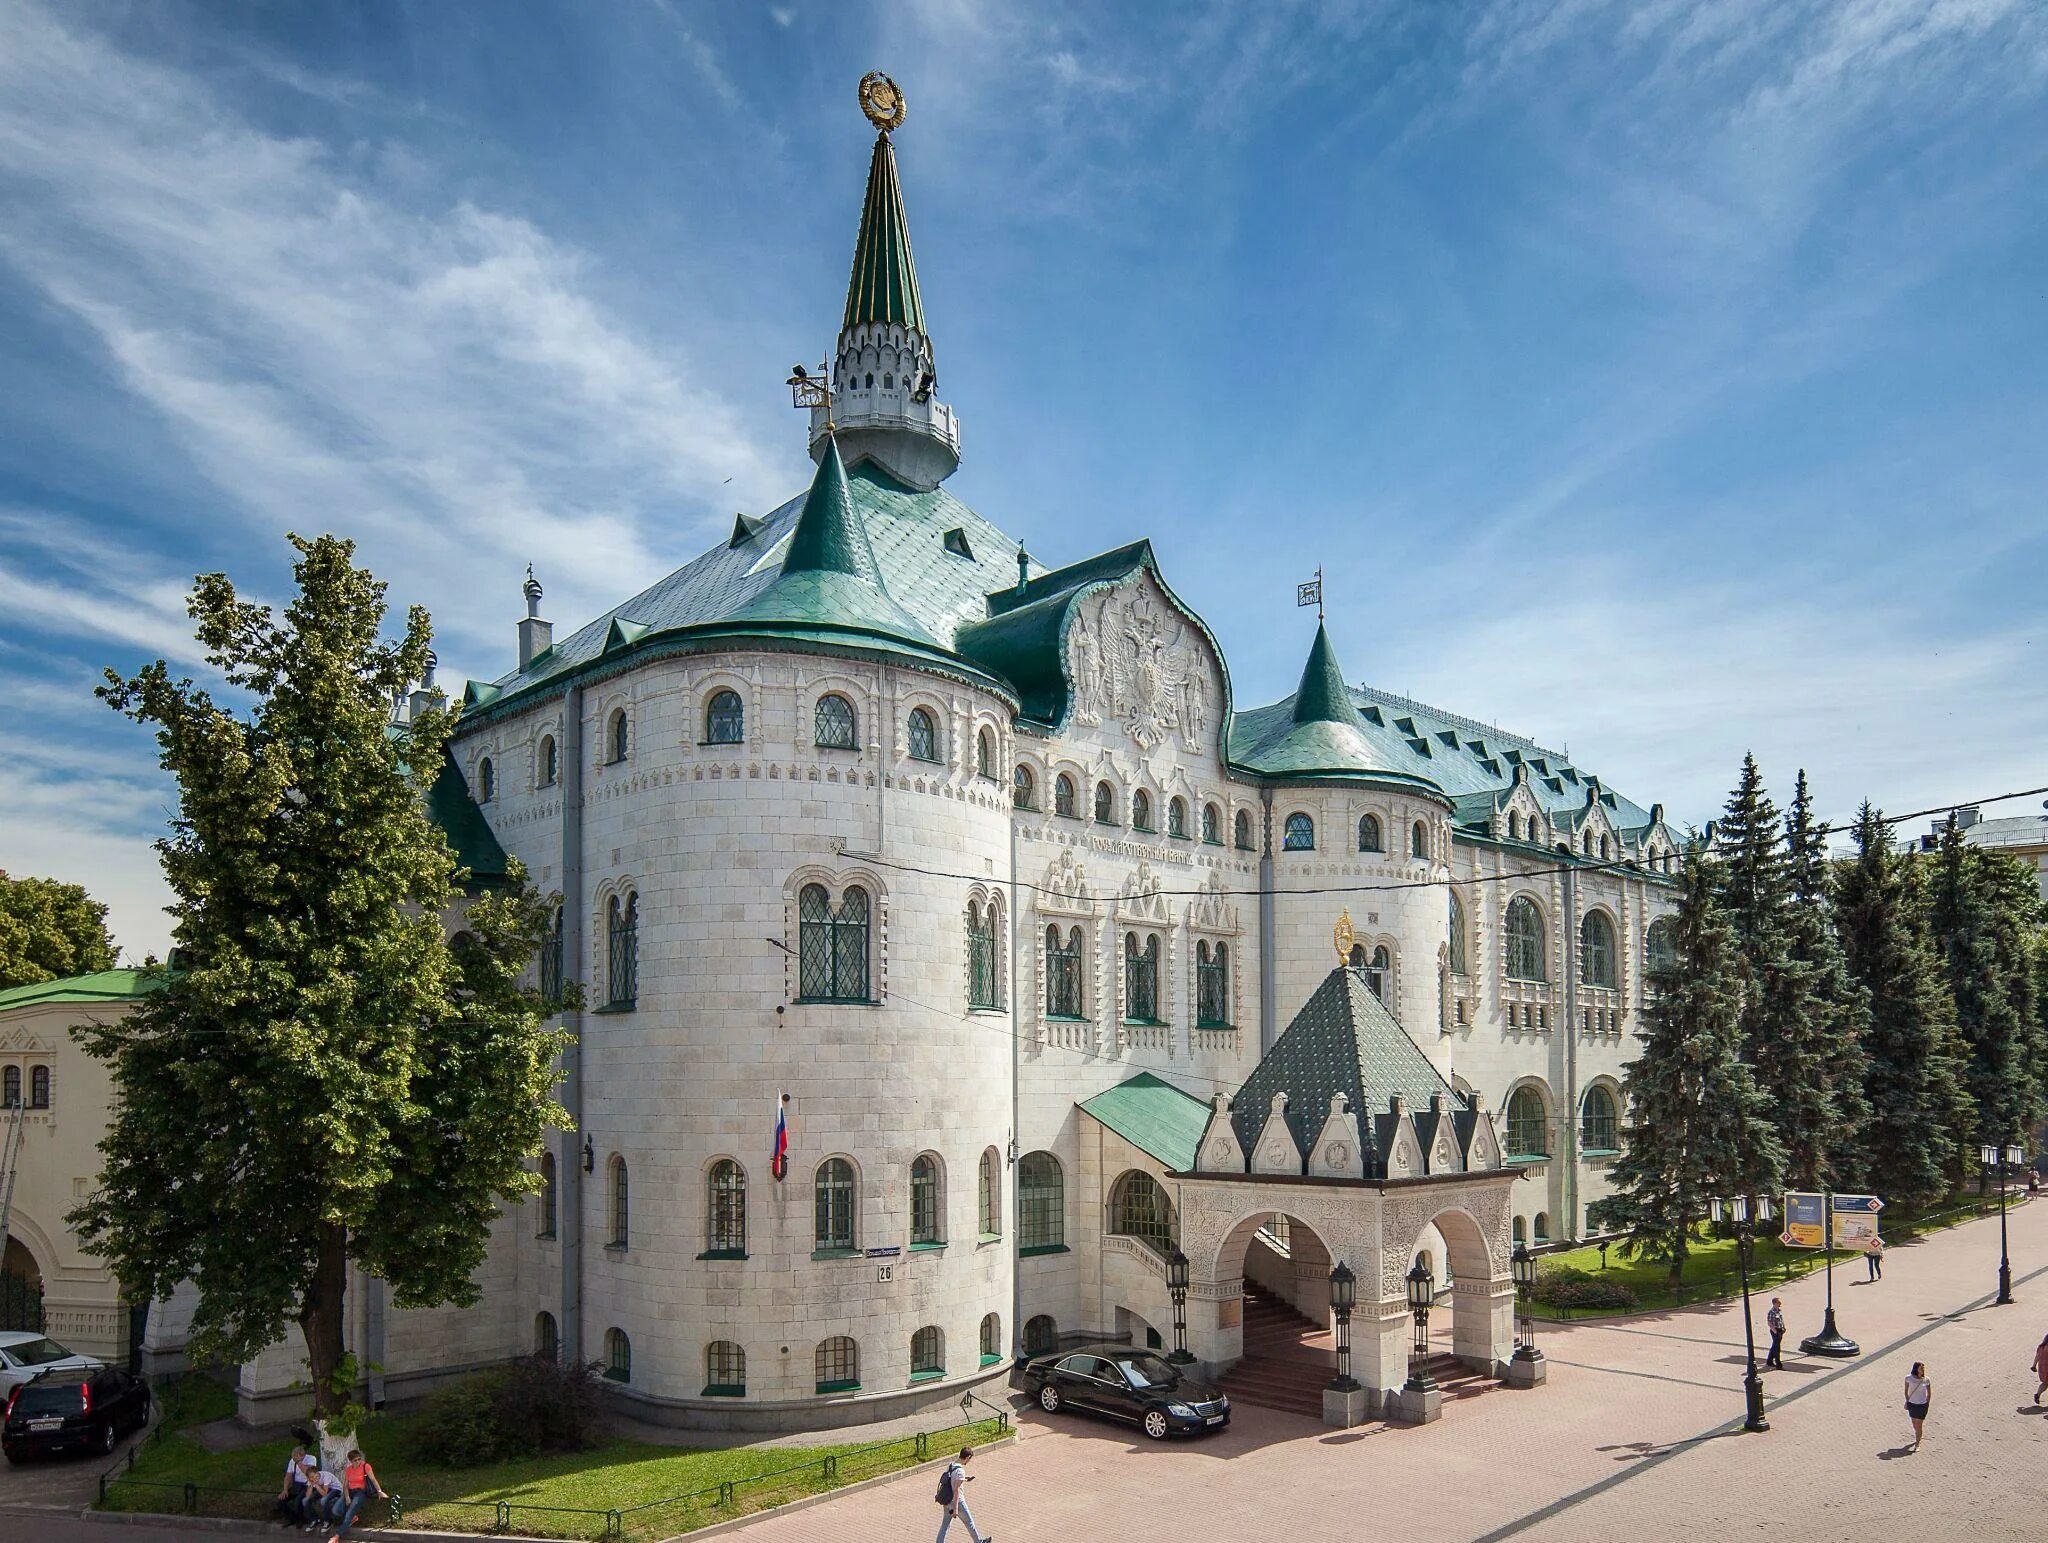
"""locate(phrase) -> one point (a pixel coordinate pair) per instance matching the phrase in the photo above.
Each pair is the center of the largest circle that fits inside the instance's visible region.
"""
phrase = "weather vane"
(881, 100)
(1311, 593)
(808, 391)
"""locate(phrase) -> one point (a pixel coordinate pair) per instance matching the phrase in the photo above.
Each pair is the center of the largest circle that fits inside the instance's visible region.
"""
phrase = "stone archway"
(22, 1283)
(1279, 1265)
(1474, 1232)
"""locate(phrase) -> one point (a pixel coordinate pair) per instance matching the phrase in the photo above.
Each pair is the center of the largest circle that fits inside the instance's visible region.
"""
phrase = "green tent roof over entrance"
(1155, 1117)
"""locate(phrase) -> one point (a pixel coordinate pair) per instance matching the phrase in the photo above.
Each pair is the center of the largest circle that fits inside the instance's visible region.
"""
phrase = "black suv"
(1126, 1384)
(82, 1408)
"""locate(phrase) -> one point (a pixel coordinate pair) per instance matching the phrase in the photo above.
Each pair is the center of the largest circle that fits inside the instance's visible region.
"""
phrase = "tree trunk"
(320, 1321)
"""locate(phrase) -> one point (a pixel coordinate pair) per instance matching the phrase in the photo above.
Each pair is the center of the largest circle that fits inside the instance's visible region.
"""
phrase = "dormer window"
(956, 543)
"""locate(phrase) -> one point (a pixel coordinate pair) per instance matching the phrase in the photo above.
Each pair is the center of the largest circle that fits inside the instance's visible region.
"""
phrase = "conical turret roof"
(1320, 731)
(829, 577)
(1322, 696)
(884, 283)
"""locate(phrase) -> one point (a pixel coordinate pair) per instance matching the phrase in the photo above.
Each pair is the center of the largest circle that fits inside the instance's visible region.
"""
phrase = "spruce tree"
(1696, 1122)
(1821, 1113)
(1920, 1119)
(1990, 1012)
(324, 1080)
(1750, 878)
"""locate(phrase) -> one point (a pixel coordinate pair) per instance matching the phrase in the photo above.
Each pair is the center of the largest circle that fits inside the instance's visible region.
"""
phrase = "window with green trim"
(1459, 965)
(1244, 831)
(1596, 950)
(1023, 787)
(1524, 939)
(725, 1369)
(1598, 1127)
(547, 1195)
(837, 1364)
(1063, 973)
(1299, 835)
(1369, 838)
(985, 754)
(1041, 1202)
(834, 1229)
(618, 737)
(615, 1171)
(1063, 797)
(1141, 978)
(1212, 986)
(550, 762)
(991, 1339)
(1528, 1124)
(1105, 804)
(725, 719)
(925, 1207)
(486, 780)
(924, 735)
(1138, 1208)
(836, 727)
(984, 978)
(551, 962)
(990, 1198)
(1177, 818)
(1212, 825)
(832, 963)
(1141, 810)
(618, 1356)
(927, 1353)
(727, 1208)
(622, 948)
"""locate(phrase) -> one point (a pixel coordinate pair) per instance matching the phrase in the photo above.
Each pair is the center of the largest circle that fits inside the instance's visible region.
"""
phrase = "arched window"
(1369, 839)
(888, 380)
(1212, 825)
(547, 1339)
(991, 1339)
(550, 762)
(1023, 787)
(548, 1199)
(1300, 835)
(985, 754)
(1062, 973)
(835, 1221)
(725, 1370)
(1418, 839)
(927, 1354)
(1141, 978)
(618, 737)
(1528, 1126)
(725, 719)
(832, 949)
(1105, 804)
(1606, 848)
(618, 1356)
(924, 735)
(1141, 810)
(1542, 1226)
(989, 1194)
(1596, 950)
(926, 1209)
(1514, 826)
(39, 1087)
(10, 1087)
(1357, 959)
(1244, 830)
(1521, 1230)
(1063, 796)
(726, 1210)
(1525, 939)
(486, 781)
(1177, 818)
(1459, 964)
(622, 950)
(838, 1365)
(1212, 986)
(1660, 948)
(1597, 1123)
(551, 962)
(984, 978)
(1041, 1335)
(619, 1207)
(1138, 1209)
(1041, 1202)
(836, 727)
(869, 383)
(1376, 973)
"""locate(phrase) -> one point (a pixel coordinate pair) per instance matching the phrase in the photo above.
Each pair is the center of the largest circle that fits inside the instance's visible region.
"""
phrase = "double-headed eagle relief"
(1123, 667)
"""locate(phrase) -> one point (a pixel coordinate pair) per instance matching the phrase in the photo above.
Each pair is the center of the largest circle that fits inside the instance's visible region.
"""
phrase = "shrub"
(1551, 1277)
(530, 1406)
(1585, 1292)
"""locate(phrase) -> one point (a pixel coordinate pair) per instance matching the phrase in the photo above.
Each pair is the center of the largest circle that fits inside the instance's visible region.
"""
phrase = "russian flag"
(779, 1164)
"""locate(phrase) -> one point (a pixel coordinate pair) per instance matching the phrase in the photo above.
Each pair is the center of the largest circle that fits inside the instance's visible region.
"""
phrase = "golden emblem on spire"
(881, 100)
(1344, 937)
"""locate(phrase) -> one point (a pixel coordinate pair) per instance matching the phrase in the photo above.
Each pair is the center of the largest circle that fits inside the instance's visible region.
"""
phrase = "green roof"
(1342, 1041)
(100, 986)
(884, 283)
(1318, 732)
(450, 806)
(1155, 1117)
(1024, 638)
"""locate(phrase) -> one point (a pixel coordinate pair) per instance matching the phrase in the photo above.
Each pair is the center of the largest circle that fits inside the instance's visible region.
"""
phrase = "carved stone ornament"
(1124, 665)
(1141, 899)
(1065, 888)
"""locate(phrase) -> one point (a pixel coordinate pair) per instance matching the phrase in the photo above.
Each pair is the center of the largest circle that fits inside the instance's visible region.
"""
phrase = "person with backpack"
(1774, 1320)
(359, 1483)
(952, 1484)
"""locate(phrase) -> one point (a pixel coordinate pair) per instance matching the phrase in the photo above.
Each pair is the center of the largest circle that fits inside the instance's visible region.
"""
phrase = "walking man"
(952, 1485)
(1774, 1320)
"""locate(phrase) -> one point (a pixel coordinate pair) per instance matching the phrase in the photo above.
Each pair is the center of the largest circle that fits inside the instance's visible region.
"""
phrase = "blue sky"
(1661, 380)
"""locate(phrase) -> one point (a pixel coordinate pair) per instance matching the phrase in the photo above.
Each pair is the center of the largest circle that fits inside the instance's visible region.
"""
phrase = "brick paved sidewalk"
(1633, 1438)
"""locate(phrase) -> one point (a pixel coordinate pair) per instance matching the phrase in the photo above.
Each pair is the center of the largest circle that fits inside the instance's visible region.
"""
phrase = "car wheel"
(108, 1438)
(1155, 1424)
(1049, 1399)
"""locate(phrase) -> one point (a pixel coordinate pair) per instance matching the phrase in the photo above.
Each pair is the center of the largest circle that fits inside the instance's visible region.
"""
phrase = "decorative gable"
(1275, 1150)
(1218, 1151)
(1212, 911)
(1140, 899)
(1339, 1151)
(1064, 891)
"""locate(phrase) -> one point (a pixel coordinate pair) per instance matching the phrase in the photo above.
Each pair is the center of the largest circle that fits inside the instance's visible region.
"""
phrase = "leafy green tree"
(1821, 1112)
(1920, 1116)
(49, 931)
(1697, 1123)
(326, 1081)
(1982, 907)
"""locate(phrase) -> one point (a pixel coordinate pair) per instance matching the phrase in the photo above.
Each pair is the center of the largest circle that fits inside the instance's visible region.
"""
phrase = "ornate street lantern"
(1524, 1264)
(1343, 1297)
(1421, 1295)
(1177, 1288)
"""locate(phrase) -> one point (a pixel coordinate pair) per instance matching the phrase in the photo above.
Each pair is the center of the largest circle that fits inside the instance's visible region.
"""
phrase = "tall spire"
(885, 406)
(1322, 696)
(884, 283)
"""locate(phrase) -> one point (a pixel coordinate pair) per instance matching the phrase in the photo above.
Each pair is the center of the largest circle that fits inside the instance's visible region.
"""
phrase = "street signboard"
(1855, 1220)
(1803, 1226)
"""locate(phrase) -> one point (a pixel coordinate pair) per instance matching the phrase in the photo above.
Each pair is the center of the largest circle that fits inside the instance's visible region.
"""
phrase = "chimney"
(427, 697)
(1967, 816)
(536, 637)
(1023, 570)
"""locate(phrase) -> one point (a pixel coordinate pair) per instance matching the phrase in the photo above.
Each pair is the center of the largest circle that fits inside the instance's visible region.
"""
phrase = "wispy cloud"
(68, 581)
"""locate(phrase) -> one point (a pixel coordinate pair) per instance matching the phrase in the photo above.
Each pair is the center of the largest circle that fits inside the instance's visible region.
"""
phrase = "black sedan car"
(1125, 1384)
(73, 1408)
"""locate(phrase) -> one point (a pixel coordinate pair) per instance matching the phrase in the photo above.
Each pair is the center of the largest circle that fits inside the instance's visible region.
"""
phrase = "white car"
(23, 1355)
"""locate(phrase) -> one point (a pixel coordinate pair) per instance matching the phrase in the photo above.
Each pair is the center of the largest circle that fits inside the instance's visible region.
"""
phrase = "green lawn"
(1710, 1269)
(618, 1476)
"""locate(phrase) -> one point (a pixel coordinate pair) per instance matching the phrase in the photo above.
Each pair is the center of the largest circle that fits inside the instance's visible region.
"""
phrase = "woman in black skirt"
(1918, 1392)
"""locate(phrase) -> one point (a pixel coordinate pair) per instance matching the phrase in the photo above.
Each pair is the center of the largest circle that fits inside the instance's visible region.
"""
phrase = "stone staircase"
(1287, 1358)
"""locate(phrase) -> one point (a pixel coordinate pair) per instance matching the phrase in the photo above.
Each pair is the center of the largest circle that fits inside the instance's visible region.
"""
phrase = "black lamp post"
(1421, 1293)
(1525, 1285)
(1343, 1297)
(1177, 1288)
(2013, 1156)
(1752, 1384)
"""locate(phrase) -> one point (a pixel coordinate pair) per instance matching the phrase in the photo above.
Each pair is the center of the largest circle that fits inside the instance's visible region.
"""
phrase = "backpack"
(945, 1494)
